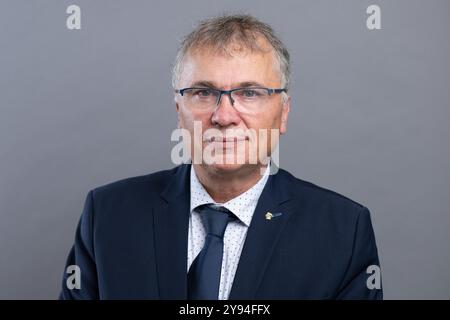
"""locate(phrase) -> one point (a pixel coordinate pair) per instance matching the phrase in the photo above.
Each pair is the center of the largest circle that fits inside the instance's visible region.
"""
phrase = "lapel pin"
(270, 215)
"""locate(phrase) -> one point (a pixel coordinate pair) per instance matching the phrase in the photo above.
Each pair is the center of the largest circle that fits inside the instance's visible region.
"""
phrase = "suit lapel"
(261, 239)
(171, 224)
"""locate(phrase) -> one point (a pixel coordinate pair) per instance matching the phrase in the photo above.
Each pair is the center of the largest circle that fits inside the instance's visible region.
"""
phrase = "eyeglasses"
(243, 99)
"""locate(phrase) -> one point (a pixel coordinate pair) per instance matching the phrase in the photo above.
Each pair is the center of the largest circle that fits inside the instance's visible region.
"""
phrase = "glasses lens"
(201, 97)
(250, 96)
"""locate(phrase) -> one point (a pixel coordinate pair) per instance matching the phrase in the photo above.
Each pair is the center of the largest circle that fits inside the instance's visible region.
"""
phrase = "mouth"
(225, 139)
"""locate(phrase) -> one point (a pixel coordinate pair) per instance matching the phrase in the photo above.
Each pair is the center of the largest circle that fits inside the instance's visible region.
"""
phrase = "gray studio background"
(370, 119)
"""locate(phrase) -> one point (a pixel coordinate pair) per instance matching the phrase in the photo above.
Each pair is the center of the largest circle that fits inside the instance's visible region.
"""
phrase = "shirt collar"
(242, 206)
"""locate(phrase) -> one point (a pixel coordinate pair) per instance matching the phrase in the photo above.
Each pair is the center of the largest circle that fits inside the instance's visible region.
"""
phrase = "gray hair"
(219, 32)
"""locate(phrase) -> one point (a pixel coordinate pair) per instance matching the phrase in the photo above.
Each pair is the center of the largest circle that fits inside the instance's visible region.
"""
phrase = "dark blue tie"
(204, 273)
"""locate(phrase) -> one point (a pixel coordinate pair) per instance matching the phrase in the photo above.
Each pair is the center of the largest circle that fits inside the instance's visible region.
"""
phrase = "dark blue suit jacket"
(131, 242)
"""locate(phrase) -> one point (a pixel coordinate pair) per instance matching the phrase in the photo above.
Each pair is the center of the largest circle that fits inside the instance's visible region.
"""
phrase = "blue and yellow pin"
(269, 215)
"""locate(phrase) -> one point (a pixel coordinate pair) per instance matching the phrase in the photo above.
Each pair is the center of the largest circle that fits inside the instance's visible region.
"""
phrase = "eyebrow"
(211, 84)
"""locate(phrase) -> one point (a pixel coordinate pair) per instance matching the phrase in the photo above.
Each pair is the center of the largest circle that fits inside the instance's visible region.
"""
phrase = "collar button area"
(215, 219)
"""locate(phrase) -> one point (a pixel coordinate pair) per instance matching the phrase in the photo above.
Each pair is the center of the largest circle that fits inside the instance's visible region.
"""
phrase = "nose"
(225, 114)
(229, 96)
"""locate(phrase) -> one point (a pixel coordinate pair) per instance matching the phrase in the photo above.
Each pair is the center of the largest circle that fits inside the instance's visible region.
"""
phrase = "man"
(217, 229)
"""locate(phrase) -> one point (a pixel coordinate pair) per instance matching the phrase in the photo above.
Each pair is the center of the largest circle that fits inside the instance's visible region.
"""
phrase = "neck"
(224, 186)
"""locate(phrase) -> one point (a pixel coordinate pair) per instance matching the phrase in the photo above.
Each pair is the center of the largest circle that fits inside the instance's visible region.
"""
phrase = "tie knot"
(215, 220)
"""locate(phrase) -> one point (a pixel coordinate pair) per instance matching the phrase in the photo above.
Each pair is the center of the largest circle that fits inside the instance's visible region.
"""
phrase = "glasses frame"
(270, 91)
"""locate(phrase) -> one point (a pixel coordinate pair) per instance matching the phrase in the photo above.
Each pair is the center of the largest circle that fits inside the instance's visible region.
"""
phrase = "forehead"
(230, 68)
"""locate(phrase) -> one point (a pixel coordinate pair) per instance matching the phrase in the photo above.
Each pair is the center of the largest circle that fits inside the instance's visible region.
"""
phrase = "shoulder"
(320, 201)
(137, 186)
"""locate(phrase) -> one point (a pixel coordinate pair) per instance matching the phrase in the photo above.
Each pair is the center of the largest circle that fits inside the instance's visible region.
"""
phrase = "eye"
(249, 93)
(203, 92)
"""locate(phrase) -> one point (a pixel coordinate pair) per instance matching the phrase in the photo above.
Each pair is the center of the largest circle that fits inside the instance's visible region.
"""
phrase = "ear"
(178, 113)
(284, 115)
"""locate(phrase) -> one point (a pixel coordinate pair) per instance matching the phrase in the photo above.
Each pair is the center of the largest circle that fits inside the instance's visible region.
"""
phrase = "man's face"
(228, 72)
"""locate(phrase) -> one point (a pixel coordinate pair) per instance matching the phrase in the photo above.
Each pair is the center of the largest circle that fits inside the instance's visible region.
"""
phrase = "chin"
(229, 168)
(225, 168)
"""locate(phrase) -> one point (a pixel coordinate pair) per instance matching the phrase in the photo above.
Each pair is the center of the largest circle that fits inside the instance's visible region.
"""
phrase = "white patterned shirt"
(243, 207)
